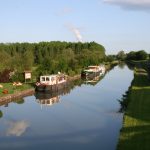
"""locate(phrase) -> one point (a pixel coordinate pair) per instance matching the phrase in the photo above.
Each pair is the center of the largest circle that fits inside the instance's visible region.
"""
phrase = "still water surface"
(87, 118)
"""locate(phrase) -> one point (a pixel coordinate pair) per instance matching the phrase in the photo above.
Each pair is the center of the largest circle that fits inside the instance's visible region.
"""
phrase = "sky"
(116, 24)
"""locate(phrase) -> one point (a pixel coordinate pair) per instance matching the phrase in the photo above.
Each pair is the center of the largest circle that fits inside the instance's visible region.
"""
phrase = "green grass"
(13, 89)
(135, 133)
(109, 65)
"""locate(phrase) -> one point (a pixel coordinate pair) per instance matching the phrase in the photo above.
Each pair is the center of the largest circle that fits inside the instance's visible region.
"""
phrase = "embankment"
(110, 65)
(10, 97)
(135, 133)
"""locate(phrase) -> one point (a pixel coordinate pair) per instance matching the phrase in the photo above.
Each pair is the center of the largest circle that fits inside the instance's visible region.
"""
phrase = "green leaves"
(50, 57)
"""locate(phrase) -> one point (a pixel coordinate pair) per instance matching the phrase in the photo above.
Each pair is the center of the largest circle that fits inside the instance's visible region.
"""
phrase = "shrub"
(17, 77)
(5, 76)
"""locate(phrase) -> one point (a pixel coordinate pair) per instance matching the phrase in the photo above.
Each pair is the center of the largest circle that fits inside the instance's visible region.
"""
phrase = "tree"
(50, 57)
(28, 59)
(131, 55)
(141, 55)
(121, 55)
(5, 59)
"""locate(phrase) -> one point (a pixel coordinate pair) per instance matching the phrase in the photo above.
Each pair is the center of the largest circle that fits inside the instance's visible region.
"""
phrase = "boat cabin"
(52, 79)
(93, 68)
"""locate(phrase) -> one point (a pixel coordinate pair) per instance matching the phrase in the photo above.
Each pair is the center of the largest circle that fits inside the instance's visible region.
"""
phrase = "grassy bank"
(13, 89)
(135, 133)
(140, 64)
(109, 65)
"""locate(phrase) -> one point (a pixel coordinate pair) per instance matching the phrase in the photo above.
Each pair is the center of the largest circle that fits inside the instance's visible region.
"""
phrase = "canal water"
(86, 118)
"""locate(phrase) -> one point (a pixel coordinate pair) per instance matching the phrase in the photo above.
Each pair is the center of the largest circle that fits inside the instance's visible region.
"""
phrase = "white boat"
(93, 71)
(51, 82)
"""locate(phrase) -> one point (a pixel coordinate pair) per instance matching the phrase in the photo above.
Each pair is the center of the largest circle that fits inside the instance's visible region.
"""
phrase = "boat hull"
(50, 88)
(91, 75)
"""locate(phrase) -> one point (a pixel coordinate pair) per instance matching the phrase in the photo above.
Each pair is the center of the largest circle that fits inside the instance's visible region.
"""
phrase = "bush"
(71, 73)
(5, 76)
(18, 77)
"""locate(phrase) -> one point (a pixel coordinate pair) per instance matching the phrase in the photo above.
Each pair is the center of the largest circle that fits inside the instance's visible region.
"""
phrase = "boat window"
(47, 78)
(43, 78)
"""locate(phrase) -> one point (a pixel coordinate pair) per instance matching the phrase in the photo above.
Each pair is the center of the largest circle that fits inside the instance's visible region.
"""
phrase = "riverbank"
(140, 64)
(135, 133)
(13, 92)
(109, 65)
(10, 97)
(10, 91)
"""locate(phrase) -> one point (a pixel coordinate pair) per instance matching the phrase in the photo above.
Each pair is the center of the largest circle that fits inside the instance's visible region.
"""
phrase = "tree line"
(132, 55)
(50, 57)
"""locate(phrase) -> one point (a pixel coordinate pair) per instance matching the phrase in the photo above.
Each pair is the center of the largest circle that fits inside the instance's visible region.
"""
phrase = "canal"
(87, 117)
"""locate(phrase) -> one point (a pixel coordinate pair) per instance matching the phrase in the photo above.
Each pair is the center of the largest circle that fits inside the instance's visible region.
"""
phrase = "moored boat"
(93, 71)
(51, 83)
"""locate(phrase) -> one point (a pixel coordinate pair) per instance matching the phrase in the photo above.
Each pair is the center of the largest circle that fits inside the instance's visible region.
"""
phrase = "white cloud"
(17, 128)
(131, 4)
(76, 32)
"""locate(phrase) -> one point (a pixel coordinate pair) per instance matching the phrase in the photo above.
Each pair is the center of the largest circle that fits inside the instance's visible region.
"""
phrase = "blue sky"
(116, 24)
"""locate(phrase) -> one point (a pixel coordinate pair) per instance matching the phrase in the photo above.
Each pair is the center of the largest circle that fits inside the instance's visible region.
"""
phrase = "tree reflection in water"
(1, 114)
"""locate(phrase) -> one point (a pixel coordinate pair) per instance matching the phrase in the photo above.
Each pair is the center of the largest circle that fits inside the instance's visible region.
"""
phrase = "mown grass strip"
(135, 133)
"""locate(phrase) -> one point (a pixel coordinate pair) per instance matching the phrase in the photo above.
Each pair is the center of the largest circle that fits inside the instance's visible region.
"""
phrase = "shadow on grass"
(136, 131)
(141, 80)
(136, 137)
(139, 106)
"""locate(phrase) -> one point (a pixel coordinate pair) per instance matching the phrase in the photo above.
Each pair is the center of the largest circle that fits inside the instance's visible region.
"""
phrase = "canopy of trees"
(139, 55)
(121, 55)
(50, 57)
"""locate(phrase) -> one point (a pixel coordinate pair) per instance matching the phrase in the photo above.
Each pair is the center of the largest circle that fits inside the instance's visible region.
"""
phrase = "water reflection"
(17, 128)
(121, 65)
(49, 99)
(49, 102)
(17, 101)
(93, 81)
(1, 114)
(82, 116)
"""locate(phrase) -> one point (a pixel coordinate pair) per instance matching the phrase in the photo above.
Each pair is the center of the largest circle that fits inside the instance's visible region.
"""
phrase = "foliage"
(16, 77)
(71, 73)
(19, 101)
(139, 55)
(5, 76)
(50, 57)
(110, 58)
(121, 55)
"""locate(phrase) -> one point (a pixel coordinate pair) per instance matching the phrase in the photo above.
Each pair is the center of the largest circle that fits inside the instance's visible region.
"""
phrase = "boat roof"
(53, 75)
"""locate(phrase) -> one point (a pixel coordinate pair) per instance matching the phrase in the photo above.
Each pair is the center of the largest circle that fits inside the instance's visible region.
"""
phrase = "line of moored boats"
(58, 81)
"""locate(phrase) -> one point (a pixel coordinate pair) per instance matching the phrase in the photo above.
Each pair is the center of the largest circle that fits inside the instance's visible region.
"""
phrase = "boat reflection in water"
(47, 99)
(93, 81)
(50, 98)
